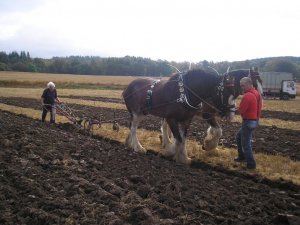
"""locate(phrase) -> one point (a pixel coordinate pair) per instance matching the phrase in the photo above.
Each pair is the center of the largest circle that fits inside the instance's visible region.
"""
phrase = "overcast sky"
(179, 30)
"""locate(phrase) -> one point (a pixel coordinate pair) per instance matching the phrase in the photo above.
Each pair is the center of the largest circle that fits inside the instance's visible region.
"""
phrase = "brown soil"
(54, 175)
(270, 140)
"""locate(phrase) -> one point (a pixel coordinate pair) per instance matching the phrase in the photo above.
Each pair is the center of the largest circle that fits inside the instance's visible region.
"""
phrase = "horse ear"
(228, 70)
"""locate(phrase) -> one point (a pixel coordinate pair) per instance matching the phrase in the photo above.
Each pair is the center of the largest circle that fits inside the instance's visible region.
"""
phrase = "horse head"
(256, 80)
(226, 97)
(235, 76)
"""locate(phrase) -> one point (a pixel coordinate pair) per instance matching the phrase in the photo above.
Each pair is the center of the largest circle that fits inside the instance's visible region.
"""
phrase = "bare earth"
(55, 175)
(270, 140)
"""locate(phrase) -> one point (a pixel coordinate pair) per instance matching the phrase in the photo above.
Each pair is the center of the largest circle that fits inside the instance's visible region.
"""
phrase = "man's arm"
(57, 100)
(43, 97)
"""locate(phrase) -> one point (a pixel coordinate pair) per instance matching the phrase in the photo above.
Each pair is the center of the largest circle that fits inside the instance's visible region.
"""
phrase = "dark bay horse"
(213, 135)
(177, 100)
(236, 75)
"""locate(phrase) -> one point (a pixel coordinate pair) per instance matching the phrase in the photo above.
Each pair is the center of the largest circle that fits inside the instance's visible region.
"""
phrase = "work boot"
(251, 166)
(239, 159)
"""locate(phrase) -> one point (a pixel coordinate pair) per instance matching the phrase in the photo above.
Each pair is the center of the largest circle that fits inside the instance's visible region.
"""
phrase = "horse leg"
(169, 148)
(177, 149)
(181, 154)
(132, 140)
(214, 133)
(166, 134)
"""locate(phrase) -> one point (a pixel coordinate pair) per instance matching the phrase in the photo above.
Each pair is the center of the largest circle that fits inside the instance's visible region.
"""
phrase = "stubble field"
(61, 175)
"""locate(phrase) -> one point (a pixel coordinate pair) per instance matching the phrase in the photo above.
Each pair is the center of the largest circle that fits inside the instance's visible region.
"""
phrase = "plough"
(86, 123)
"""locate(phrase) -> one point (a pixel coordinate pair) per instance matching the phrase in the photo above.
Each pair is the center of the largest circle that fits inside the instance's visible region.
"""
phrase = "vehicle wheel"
(285, 97)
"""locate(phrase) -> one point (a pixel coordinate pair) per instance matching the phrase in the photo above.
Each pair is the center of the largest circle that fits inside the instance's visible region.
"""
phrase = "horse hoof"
(185, 161)
(167, 155)
(208, 146)
(188, 161)
(141, 150)
(168, 151)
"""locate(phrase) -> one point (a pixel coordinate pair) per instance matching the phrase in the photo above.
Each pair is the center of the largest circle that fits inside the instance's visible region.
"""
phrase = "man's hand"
(237, 111)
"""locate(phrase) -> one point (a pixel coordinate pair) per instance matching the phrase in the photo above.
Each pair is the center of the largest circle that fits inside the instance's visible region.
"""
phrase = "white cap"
(50, 85)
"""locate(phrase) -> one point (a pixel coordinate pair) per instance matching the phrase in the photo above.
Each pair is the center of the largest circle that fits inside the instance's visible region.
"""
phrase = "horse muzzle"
(229, 117)
(229, 114)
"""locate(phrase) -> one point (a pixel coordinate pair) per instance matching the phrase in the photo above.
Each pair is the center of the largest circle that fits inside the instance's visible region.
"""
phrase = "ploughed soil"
(266, 139)
(56, 175)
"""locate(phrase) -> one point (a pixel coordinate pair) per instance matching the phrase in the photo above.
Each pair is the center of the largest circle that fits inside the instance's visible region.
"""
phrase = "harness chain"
(183, 95)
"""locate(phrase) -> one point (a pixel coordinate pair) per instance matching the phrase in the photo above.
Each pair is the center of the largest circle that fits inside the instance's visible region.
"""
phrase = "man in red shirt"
(250, 110)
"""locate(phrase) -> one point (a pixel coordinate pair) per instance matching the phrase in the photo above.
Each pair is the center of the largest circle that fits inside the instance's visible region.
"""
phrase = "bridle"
(225, 105)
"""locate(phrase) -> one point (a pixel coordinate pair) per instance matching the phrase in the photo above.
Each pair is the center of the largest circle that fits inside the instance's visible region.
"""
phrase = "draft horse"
(177, 100)
(236, 75)
(214, 132)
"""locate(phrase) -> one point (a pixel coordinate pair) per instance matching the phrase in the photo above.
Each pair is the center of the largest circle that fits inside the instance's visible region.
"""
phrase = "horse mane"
(237, 73)
(196, 72)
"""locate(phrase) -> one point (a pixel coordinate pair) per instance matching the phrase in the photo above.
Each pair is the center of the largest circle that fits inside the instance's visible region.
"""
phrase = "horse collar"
(182, 94)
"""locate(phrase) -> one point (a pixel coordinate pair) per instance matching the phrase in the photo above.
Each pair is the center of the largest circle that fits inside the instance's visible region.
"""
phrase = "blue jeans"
(243, 139)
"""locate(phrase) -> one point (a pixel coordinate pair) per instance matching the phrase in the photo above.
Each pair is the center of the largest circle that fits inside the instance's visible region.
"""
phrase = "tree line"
(134, 66)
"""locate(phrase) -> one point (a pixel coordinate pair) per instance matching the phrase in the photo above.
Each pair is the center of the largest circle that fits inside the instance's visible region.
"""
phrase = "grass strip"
(64, 85)
(36, 93)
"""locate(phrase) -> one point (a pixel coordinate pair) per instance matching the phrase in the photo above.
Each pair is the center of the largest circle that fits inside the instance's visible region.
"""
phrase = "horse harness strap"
(183, 95)
(220, 93)
(149, 95)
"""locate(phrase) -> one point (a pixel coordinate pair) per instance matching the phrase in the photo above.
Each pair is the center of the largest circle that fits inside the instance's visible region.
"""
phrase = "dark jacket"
(49, 96)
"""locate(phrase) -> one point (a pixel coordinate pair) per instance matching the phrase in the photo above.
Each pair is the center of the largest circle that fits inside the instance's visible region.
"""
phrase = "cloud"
(179, 30)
